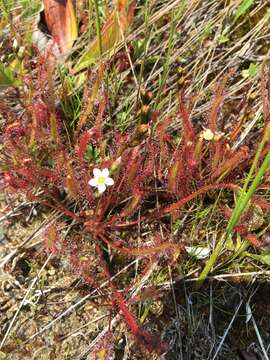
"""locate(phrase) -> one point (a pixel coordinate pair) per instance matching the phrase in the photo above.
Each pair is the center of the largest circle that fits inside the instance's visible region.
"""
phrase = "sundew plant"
(129, 180)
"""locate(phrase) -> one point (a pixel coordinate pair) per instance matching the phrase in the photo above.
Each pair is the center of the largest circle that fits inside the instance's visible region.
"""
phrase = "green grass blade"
(241, 203)
(98, 27)
(243, 199)
(242, 9)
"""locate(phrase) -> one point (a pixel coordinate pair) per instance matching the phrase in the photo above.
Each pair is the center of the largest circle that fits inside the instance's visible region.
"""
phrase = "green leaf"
(223, 39)
(251, 72)
(233, 245)
(92, 154)
(242, 8)
(110, 37)
(242, 202)
(264, 257)
(112, 33)
(245, 73)
(253, 69)
(6, 76)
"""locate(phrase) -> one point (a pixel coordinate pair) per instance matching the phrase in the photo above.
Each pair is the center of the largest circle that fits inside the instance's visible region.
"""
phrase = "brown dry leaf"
(61, 22)
(56, 28)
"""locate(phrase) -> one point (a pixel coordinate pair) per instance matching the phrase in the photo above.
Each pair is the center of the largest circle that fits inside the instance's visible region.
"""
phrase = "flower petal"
(93, 182)
(109, 181)
(198, 251)
(208, 135)
(96, 172)
(105, 172)
(101, 188)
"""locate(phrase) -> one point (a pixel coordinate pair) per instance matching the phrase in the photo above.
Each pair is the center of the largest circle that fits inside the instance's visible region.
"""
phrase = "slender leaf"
(242, 203)
(112, 32)
(243, 8)
(264, 257)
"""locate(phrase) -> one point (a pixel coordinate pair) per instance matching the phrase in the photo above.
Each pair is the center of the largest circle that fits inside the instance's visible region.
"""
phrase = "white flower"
(198, 251)
(15, 44)
(207, 135)
(248, 313)
(101, 179)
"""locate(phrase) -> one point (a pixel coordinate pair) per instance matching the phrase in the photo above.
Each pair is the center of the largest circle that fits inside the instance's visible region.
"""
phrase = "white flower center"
(101, 180)
(208, 134)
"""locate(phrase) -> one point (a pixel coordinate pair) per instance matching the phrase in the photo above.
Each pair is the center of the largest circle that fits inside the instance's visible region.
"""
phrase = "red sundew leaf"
(172, 176)
(90, 100)
(82, 269)
(132, 206)
(265, 91)
(60, 159)
(71, 181)
(87, 137)
(132, 165)
(34, 129)
(151, 342)
(104, 348)
(61, 22)
(51, 240)
(145, 165)
(187, 128)
(263, 204)
(216, 103)
(101, 111)
(182, 202)
(161, 130)
(104, 203)
(141, 251)
(15, 130)
(249, 237)
(29, 174)
(15, 182)
(232, 163)
(41, 112)
(218, 154)
(150, 292)
(150, 163)
(34, 173)
(238, 126)
(53, 128)
(215, 106)
(253, 240)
